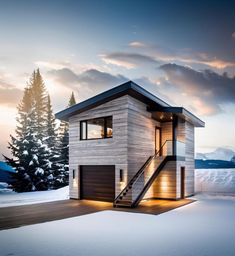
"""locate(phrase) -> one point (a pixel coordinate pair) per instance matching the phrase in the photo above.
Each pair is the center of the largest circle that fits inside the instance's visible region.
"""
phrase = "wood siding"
(110, 151)
(141, 135)
(132, 143)
(189, 159)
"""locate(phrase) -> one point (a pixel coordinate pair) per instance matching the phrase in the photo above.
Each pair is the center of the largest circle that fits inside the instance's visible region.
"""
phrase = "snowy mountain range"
(225, 154)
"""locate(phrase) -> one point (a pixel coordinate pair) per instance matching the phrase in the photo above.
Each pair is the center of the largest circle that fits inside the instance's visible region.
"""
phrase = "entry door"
(158, 140)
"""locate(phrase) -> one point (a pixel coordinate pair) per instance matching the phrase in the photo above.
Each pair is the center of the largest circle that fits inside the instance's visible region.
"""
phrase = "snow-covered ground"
(215, 181)
(204, 228)
(10, 198)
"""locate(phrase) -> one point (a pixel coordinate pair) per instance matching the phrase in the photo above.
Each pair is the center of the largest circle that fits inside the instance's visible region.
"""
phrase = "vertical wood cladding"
(189, 159)
(132, 143)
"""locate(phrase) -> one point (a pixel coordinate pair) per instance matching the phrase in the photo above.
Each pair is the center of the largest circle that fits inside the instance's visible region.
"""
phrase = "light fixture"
(73, 174)
(121, 175)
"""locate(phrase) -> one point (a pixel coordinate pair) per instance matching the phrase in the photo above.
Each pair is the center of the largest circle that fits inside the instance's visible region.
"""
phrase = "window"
(97, 128)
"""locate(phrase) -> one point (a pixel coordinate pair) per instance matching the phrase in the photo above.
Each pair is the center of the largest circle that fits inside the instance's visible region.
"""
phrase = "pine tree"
(40, 156)
(30, 154)
(72, 100)
(40, 97)
(64, 136)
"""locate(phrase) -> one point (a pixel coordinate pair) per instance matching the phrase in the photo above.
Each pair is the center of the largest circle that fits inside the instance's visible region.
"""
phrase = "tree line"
(40, 147)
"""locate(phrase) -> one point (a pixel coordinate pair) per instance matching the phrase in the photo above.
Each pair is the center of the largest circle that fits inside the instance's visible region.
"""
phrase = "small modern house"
(126, 145)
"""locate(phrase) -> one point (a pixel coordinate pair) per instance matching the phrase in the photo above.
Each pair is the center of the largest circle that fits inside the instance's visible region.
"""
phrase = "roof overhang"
(180, 112)
(154, 103)
(128, 88)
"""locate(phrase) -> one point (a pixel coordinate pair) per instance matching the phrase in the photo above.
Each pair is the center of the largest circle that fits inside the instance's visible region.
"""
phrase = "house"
(126, 145)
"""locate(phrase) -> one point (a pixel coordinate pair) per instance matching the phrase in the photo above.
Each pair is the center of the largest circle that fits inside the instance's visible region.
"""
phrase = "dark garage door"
(97, 182)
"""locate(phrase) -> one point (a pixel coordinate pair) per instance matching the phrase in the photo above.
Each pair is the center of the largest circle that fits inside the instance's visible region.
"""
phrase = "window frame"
(105, 128)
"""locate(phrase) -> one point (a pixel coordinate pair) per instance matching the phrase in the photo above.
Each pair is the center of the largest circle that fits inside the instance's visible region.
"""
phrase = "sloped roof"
(134, 90)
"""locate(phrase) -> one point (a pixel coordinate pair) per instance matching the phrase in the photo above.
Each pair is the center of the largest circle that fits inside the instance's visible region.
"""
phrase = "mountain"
(5, 171)
(225, 154)
(213, 164)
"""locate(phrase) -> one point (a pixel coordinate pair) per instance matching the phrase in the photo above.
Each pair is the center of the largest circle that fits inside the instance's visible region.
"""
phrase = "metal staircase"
(135, 190)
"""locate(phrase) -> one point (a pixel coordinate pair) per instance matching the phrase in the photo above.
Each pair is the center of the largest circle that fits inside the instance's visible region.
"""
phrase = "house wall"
(165, 184)
(110, 151)
(189, 159)
(141, 135)
(132, 143)
(168, 183)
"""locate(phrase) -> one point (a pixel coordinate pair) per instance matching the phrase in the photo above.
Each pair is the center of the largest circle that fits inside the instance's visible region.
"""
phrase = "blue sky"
(179, 50)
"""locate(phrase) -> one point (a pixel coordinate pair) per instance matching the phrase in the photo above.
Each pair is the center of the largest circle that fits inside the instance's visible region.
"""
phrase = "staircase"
(135, 190)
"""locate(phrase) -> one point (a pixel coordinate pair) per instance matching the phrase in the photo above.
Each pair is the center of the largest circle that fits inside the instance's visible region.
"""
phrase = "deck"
(17, 216)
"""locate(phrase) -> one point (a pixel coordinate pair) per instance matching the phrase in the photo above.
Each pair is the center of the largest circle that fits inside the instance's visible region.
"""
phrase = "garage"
(97, 182)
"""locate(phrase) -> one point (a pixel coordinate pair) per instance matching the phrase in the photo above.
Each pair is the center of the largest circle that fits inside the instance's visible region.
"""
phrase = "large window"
(97, 128)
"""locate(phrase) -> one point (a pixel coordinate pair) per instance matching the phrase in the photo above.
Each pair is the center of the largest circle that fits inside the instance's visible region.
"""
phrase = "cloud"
(91, 80)
(155, 54)
(205, 59)
(136, 44)
(233, 35)
(53, 64)
(128, 60)
(207, 90)
(9, 94)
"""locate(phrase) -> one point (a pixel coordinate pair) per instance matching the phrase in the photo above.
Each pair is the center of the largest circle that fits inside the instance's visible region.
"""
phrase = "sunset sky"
(182, 51)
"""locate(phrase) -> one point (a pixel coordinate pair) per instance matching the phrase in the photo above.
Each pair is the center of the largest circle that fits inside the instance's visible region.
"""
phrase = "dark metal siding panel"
(98, 182)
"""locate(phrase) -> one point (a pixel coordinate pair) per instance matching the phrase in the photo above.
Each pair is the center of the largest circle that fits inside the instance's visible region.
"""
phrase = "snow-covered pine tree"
(30, 154)
(40, 97)
(59, 173)
(64, 136)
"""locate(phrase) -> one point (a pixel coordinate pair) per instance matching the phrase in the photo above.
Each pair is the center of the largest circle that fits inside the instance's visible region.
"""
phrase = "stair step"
(123, 204)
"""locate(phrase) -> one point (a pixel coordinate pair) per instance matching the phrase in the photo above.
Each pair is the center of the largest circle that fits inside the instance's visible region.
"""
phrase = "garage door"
(97, 182)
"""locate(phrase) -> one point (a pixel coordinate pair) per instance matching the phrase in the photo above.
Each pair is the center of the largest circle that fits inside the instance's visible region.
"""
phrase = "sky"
(182, 51)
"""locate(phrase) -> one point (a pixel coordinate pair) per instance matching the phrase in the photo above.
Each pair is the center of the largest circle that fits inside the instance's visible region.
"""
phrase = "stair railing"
(140, 172)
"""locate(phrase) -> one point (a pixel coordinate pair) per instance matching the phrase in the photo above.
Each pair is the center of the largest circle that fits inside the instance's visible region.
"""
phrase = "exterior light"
(121, 175)
(73, 174)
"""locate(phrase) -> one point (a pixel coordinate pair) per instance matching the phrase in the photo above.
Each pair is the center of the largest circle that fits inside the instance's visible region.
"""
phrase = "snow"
(215, 181)
(35, 157)
(25, 141)
(39, 171)
(205, 228)
(25, 152)
(10, 198)
(4, 188)
(219, 154)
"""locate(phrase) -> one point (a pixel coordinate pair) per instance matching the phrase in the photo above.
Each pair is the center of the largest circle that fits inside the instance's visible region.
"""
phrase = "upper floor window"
(97, 128)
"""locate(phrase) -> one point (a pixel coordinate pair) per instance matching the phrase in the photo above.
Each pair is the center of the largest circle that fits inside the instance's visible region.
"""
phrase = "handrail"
(143, 166)
(149, 182)
(152, 158)
(161, 147)
(141, 170)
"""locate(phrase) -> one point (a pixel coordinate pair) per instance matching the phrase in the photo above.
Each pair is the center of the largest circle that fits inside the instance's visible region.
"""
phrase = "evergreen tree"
(40, 156)
(72, 100)
(50, 126)
(64, 136)
(30, 154)
(59, 172)
(40, 97)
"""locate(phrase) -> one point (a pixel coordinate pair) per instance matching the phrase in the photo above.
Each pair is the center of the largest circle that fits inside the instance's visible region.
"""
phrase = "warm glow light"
(164, 183)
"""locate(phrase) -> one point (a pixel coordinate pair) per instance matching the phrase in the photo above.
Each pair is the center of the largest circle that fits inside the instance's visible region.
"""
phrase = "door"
(158, 140)
(97, 182)
(182, 175)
